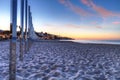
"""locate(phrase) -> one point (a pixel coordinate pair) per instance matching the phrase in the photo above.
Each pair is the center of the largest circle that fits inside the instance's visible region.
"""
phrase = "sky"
(78, 19)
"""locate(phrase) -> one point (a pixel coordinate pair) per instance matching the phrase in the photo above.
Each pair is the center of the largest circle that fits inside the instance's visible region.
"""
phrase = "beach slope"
(62, 60)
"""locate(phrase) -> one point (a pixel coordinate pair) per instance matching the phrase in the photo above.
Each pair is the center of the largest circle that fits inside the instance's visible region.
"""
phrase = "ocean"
(96, 41)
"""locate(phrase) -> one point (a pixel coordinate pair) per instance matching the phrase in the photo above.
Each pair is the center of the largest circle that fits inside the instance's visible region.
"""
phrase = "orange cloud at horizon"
(99, 37)
(80, 33)
(88, 36)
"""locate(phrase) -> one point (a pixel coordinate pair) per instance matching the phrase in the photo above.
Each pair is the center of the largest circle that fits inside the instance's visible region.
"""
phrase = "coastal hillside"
(5, 34)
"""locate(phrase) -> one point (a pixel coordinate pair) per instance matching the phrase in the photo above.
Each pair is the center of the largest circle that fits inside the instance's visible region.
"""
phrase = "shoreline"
(95, 41)
(67, 41)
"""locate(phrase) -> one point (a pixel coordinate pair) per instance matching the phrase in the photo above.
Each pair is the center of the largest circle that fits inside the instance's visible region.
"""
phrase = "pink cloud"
(74, 26)
(74, 8)
(98, 26)
(86, 2)
(94, 22)
(100, 10)
(62, 1)
(79, 26)
(116, 23)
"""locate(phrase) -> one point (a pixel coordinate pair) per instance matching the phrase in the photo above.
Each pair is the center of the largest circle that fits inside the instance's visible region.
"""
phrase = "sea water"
(96, 41)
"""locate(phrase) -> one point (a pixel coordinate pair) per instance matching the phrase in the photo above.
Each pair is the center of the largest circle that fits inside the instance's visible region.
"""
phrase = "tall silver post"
(26, 17)
(30, 21)
(22, 26)
(13, 25)
(28, 28)
(30, 24)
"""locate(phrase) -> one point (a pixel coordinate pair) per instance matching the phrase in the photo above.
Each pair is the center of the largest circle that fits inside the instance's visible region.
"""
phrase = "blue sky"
(80, 19)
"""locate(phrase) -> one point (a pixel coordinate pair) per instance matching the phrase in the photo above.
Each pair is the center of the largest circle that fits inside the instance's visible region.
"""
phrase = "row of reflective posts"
(13, 27)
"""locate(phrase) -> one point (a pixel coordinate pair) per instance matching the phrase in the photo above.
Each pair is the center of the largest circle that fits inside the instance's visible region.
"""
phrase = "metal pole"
(26, 16)
(30, 24)
(12, 64)
(28, 28)
(22, 26)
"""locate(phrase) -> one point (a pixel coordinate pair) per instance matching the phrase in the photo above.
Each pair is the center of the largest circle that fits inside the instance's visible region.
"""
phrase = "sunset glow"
(78, 19)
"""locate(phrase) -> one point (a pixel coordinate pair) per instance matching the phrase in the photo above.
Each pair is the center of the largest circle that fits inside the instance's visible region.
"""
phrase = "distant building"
(4, 35)
(46, 36)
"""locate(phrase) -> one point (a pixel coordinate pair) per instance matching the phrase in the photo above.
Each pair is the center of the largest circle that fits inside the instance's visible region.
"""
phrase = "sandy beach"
(61, 60)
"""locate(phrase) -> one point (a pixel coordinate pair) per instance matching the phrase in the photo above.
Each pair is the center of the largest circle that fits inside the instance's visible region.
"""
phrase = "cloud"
(79, 26)
(86, 2)
(116, 23)
(76, 9)
(64, 25)
(94, 22)
(62, 1)
(73, 26)
(100, 10)
(98, 26)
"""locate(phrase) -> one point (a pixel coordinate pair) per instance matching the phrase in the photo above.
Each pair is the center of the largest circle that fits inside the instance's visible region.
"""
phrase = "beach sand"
(61, 60)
